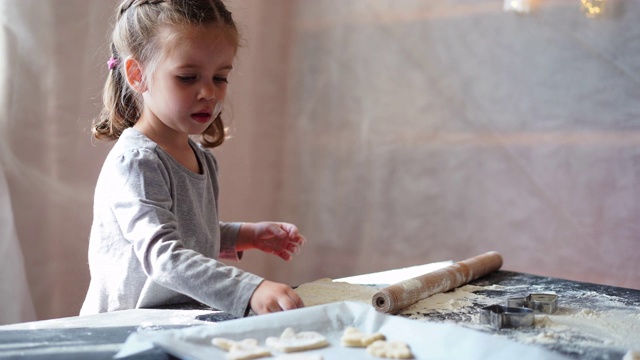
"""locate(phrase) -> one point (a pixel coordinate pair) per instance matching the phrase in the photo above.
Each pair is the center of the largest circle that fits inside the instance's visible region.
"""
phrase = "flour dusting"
(587, 324)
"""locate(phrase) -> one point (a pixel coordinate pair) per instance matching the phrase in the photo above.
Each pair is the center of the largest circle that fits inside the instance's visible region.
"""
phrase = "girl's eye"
(220, 79)
(187, 79)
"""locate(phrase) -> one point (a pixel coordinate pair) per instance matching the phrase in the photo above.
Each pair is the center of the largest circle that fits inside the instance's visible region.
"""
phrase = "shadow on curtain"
(15, 299)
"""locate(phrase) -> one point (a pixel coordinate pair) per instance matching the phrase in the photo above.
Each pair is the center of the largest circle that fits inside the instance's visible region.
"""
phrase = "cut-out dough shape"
(299, 357)
(241, 350)
(290, 341)
(355, 338)
(390, 349)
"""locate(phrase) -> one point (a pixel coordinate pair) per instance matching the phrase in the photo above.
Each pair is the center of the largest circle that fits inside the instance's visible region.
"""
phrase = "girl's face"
(188, 81)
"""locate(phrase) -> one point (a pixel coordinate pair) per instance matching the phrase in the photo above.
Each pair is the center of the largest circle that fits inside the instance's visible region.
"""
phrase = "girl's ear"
(134, 74)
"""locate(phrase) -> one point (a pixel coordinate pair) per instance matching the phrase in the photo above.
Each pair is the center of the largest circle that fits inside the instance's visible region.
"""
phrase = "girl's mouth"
(202, 117)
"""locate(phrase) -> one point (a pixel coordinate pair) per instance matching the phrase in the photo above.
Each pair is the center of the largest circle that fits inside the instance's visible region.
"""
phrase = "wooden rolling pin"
(396, 297)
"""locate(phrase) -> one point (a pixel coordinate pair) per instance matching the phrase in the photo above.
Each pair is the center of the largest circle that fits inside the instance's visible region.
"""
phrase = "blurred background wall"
(392, 132)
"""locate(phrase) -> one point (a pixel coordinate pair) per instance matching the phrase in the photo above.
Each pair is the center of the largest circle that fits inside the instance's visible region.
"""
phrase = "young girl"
(156, 235)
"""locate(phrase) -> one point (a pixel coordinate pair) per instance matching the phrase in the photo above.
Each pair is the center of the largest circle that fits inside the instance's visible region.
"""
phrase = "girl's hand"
(281, 239)
(272, 297)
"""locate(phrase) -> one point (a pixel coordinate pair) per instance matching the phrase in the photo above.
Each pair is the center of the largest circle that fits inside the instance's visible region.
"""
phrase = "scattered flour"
(587, 313)
(452, 301)
(612, 325)
(411, 284)
(580, 329)
(544, 337)
(325, 291)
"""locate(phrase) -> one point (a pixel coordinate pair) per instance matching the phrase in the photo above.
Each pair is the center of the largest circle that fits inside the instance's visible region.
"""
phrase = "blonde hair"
(136, 34)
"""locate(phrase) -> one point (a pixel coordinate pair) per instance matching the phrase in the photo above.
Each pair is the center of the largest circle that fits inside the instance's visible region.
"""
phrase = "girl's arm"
(283, 240)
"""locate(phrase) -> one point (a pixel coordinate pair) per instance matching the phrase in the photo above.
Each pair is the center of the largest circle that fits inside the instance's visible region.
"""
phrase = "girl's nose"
(208, 92)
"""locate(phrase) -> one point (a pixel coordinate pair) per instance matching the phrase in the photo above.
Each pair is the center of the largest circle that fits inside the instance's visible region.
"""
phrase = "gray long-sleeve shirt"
(156, 235)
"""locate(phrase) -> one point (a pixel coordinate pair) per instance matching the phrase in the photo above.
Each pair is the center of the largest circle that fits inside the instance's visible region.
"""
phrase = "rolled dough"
(325, 291)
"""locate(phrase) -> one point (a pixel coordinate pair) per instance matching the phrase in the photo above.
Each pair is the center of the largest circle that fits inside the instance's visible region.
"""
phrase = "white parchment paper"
(426, 340)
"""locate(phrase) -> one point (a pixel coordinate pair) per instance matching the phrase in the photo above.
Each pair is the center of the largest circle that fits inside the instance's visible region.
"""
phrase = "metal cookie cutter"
(541, 303)
(498, 316)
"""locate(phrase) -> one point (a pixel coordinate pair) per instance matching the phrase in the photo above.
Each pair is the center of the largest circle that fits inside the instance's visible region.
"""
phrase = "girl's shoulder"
(134, 159)
(132, 138)
(134, 147)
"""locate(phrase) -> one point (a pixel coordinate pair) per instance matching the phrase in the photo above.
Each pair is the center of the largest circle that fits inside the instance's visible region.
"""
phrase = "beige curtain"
(402, 132)
(393, 132)
(15, 297)
(53, 68)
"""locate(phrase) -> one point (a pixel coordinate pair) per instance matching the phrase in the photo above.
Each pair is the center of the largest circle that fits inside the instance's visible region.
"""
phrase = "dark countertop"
(592, 321)
(100, 336)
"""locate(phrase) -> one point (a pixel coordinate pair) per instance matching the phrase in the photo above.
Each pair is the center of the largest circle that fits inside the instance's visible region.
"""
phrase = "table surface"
(100, 336)
(592, 321)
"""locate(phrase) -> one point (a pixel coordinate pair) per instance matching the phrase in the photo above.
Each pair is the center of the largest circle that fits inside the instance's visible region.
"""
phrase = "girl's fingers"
(284, 255)
(300, 240)
(293, 248)
(286, 303)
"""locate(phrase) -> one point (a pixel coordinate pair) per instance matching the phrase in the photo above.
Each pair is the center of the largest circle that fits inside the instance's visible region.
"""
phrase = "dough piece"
(355, 338)
(632, 355)
(325, 291)
(289, 341)
(241, 350)
(390, 349)
(225, 344)
(299, 357)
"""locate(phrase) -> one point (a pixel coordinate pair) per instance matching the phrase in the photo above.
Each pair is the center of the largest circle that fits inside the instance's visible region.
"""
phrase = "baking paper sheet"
(388, 277)
(426, 340)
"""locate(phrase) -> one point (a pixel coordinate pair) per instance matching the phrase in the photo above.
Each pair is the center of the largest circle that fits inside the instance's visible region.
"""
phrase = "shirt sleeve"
(143, 211)
(228, 241)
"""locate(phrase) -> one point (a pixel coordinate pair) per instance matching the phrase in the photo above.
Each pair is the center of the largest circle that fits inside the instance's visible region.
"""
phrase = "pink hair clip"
(113, 62)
